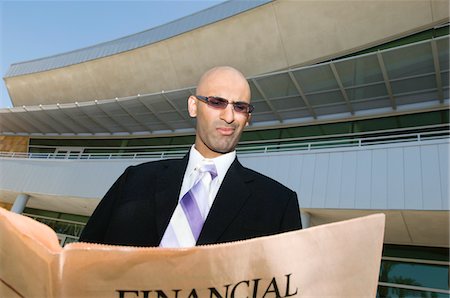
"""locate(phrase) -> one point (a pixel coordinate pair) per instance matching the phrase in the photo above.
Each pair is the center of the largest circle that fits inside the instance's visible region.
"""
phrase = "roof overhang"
(409, 78)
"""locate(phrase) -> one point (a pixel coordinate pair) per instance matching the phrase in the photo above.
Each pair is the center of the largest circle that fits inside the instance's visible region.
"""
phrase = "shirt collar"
(222, 162)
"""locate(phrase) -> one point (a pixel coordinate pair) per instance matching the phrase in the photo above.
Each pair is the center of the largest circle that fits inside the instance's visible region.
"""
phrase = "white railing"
(264, 146)
(63, 227)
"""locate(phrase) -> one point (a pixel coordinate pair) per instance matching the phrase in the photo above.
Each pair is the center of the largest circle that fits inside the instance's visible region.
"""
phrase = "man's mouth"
(225, 131)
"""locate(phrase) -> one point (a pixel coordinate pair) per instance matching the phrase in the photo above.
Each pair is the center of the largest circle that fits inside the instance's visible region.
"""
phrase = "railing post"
(306, 219)
(20, 203)
(418, 137)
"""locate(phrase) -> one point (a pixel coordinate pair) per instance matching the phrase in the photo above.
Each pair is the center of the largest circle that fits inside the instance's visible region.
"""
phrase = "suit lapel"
(166, 196)
(230, 198)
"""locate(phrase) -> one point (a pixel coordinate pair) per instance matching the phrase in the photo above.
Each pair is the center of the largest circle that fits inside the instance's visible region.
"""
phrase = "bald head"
(223, 77)
(219, 128)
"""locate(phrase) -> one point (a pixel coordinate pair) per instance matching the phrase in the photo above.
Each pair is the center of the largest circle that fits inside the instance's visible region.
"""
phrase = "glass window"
(360, 71)
(377, 124)
(277, 86)
(423, 119)
(398, 292)
(413, 274)
(316, 79)
(416, 252)
(429, 276)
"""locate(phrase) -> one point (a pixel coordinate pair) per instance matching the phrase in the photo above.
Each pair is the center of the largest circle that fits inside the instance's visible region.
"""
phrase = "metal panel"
(386, 80)
(378, 188)
(13, 121)
(326, 97)
(437, 70)
(375, 103)
(334, 180)
(363, 179)
(395, 179)
(444, 165)
(355, 72)
(417, 83)
(396, 61)
(307, 179)
(293, 181)
(443, 49)
(413, 179)
(302, 95)
(273, 110)
(348, 186)
(287, 103)
(258, 163)
(281, 166)
(341, 88)
(320, 184)
(367, 92)
(66, 113)
(317, 78)
(25, 119)
(429, 159)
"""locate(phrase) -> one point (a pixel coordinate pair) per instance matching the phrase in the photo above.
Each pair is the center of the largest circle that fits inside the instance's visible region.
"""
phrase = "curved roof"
(275, 36)
(202, 18)
(409, 78)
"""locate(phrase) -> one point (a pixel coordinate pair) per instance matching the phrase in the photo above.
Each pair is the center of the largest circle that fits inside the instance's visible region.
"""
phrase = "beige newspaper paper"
(334, 260)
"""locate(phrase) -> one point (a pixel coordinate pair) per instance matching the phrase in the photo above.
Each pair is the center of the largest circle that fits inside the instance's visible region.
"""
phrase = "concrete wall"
(408, 182)
(404, 176)
(275, 36)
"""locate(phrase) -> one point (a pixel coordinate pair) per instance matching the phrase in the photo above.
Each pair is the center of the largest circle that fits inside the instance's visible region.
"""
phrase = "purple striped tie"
(187, 220)
(189, 202)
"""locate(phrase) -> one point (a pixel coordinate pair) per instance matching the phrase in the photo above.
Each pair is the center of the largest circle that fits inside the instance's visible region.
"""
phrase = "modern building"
(351, 111)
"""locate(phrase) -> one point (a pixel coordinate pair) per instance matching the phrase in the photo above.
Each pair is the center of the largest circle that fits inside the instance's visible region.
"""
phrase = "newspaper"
(334, 260)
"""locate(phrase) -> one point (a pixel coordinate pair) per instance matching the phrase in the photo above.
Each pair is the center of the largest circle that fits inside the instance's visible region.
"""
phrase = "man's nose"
(227, 114)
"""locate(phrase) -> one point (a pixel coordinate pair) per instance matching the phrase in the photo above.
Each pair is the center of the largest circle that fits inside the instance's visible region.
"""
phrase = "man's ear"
(248, 119)
(192, 106)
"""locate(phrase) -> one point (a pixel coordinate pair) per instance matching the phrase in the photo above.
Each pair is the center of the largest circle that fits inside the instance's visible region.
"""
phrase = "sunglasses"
(222, 103)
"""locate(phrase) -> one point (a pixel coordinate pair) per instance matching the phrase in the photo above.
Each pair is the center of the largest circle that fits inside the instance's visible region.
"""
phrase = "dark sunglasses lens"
(241, 107)
(217, 102)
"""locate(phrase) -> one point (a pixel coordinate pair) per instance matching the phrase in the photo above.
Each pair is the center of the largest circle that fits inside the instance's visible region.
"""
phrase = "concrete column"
(306, 219)
(20, 203)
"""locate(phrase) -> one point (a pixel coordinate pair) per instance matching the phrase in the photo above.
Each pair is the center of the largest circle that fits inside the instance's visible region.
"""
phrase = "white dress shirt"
(179, 227)
(222, 164)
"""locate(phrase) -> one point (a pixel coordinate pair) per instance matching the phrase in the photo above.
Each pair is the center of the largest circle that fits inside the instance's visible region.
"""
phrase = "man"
(206, 197)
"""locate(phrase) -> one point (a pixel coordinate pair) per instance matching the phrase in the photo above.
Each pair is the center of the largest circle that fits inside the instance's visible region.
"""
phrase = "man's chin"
(223, 149)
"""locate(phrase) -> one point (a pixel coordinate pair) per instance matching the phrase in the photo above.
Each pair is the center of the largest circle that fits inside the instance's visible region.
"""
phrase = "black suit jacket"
(138, 207)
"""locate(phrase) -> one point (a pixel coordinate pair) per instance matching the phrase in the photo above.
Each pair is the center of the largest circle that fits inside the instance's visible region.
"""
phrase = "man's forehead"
(224, 79)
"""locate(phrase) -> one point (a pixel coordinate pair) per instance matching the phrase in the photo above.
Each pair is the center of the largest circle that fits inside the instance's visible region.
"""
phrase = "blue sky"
(36, 29)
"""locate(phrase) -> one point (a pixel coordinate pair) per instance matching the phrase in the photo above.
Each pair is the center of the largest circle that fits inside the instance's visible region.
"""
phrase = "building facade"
(351, 111)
